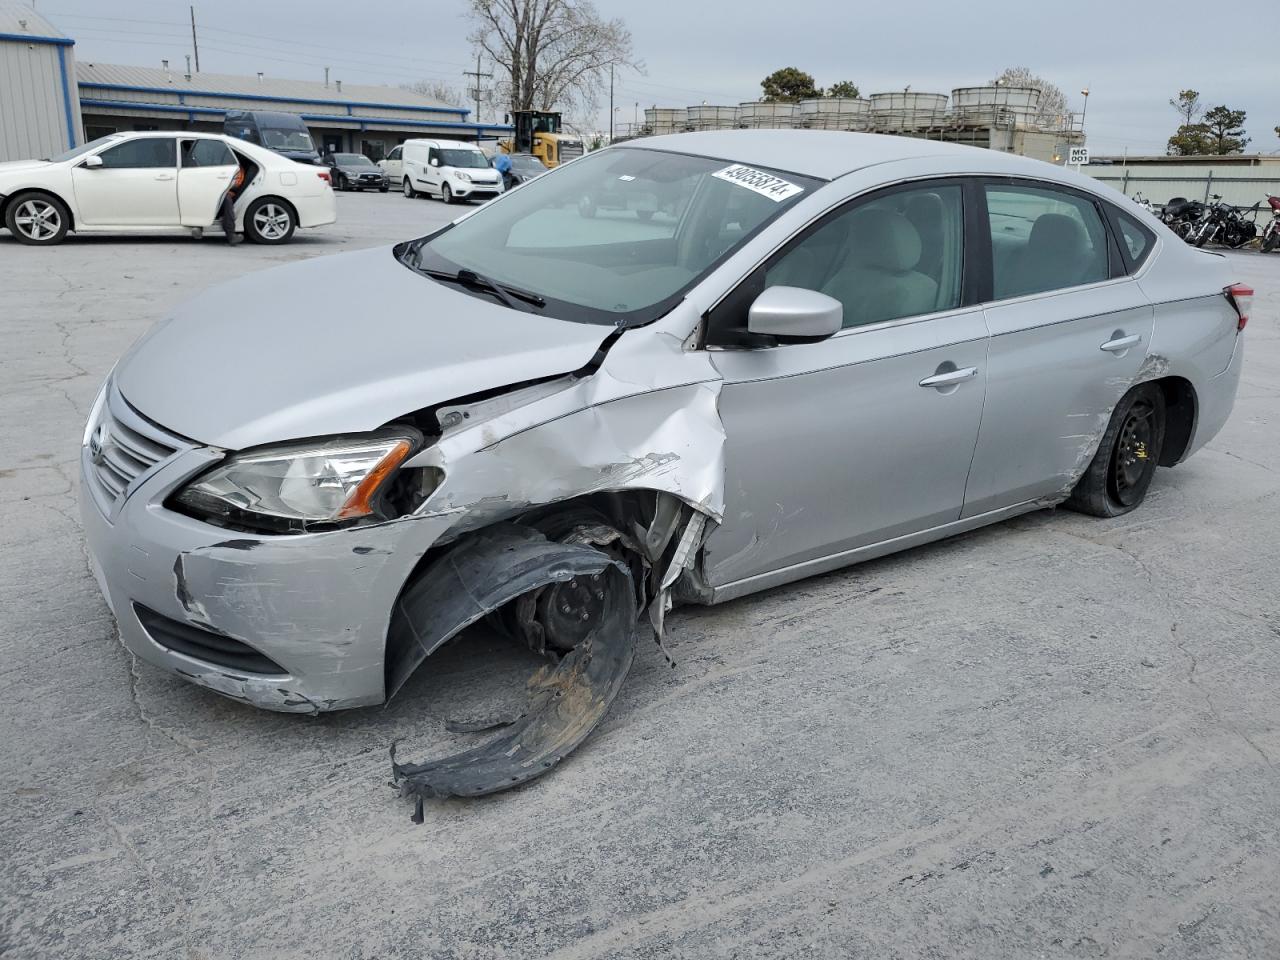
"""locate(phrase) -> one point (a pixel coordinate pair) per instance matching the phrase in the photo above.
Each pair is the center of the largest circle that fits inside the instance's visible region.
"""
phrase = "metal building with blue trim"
(49, 102)
(39, 105)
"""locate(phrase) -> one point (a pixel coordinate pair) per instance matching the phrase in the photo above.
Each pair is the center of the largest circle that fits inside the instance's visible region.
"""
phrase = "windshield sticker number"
(765, 184)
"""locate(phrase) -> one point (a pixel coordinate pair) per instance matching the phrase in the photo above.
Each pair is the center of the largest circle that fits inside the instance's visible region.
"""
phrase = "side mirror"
(92, 163)
(435, 163)
(793, 313)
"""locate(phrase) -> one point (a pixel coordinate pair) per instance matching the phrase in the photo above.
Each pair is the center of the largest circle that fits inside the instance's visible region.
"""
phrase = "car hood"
(22, 166)
(356, 171)
(339, 344)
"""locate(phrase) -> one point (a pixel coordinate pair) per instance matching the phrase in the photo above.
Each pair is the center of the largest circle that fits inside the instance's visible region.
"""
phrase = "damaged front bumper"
(293, 623)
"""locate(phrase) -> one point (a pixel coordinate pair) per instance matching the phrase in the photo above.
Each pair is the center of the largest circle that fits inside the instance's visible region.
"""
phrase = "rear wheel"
(38, 219)
(269, 221)
(1121, 471)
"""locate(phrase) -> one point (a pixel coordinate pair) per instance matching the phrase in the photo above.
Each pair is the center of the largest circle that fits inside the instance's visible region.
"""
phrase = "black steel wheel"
(1121, 471)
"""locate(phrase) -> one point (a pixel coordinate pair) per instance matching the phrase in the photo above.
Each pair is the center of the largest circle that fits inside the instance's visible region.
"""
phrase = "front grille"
(123, 446)
(204, 645)
(570, 151)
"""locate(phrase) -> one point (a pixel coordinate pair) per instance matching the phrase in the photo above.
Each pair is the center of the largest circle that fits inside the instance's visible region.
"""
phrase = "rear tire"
(1121, 471)
(269, 221)
(37, 219)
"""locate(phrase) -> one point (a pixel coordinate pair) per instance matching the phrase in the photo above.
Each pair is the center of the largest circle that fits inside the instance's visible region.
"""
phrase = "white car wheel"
(39, 220)
(269, 221)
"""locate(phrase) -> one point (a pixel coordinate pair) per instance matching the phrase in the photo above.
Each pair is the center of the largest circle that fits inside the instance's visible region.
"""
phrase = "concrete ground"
(1056, 737)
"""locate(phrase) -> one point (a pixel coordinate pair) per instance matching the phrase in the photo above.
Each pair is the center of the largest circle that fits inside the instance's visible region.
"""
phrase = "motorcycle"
(1221, 223)
(1181, 215)
(1271, 234)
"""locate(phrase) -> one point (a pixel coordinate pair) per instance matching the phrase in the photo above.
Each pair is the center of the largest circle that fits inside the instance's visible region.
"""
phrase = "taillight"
(324, 175)
(1241, 297)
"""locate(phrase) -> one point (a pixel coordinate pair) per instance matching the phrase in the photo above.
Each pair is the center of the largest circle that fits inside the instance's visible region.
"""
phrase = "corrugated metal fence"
(1241, 187)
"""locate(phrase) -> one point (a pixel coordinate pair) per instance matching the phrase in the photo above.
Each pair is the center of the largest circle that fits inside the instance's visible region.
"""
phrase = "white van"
(448, 169)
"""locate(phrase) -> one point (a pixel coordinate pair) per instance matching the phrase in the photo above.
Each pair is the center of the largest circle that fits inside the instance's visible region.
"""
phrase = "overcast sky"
(1132, 55)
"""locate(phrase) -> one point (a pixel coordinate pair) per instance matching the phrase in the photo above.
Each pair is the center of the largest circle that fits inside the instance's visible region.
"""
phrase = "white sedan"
(162, 182)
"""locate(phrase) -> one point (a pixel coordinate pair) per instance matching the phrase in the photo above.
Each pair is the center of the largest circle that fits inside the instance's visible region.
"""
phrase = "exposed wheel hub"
(1132, 458)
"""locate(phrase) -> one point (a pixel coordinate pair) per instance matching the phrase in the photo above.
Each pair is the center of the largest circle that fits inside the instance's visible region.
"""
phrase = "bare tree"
(1053, 102)
(550, 53)
(437, 90)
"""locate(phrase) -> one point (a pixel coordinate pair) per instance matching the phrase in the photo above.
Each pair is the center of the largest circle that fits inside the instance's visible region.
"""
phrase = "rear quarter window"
(1136, 239)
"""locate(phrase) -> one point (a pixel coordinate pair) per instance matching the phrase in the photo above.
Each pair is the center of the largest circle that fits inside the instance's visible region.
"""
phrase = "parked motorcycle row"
(1218, 223)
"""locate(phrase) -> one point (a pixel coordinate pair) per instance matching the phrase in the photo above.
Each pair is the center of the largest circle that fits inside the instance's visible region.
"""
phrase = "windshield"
(617, 237)
(352, 160)
(462, 158)
(286, 139)
(85, 148)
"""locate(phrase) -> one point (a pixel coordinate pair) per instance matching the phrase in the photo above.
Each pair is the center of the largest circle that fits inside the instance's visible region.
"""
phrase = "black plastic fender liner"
(566, 701)
(484, 571)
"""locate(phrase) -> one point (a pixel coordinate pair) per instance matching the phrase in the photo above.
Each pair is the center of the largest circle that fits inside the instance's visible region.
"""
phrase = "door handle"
(950, 378)
(1120, 344)
(165, 176)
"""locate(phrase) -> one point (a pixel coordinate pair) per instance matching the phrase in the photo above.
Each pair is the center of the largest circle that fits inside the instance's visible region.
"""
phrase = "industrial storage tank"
(660, 120)
(766, 113)
(997, 105)
(706, 117)
(834, 113)
(904, 110)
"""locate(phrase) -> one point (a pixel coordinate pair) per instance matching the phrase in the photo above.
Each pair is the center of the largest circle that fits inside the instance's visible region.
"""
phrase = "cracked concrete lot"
(1056, 737)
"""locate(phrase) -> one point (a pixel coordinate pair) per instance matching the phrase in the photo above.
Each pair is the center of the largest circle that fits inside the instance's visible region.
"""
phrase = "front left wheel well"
(28, 191)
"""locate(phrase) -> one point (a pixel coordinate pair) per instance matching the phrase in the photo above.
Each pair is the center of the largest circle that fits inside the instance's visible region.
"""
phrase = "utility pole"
(477, 74)
(195, 44)
(611, 103)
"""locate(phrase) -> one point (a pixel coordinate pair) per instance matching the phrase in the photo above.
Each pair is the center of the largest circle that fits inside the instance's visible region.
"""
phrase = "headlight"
(293, 487)
(462, 176)
(96, 410)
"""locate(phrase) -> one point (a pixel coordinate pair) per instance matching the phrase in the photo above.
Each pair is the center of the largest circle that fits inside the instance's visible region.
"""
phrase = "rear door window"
(206, 153)
(1043, 239)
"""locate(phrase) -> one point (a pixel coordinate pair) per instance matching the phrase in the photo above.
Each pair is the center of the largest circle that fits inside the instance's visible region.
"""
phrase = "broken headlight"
(297, 487)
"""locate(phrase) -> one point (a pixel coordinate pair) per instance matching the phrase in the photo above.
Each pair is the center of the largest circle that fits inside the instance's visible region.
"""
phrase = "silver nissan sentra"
(682, 369)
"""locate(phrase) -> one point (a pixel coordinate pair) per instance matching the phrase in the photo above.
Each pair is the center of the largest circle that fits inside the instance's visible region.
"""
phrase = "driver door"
(136, 185)
(866, 436)
(205, 175)
(432, 173)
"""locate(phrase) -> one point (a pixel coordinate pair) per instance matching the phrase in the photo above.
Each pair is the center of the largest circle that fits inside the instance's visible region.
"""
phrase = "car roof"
(825, 154)
(442, 143)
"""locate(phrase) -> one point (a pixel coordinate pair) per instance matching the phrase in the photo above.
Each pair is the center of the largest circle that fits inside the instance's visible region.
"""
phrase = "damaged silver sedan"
(679, 370)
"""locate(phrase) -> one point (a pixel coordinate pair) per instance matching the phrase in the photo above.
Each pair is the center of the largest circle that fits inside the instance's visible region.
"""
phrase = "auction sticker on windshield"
(765, 184)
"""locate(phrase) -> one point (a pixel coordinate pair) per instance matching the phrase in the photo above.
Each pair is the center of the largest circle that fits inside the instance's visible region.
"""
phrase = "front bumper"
(475, 191)
(318, 605)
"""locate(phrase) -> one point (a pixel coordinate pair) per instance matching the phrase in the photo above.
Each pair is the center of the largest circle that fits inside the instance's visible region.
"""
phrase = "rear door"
(137, 185)
(1069, 333)
(207, 167)
(866, 436)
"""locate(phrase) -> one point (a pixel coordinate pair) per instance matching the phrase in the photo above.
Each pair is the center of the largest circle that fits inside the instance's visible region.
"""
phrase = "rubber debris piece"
(566, 701)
